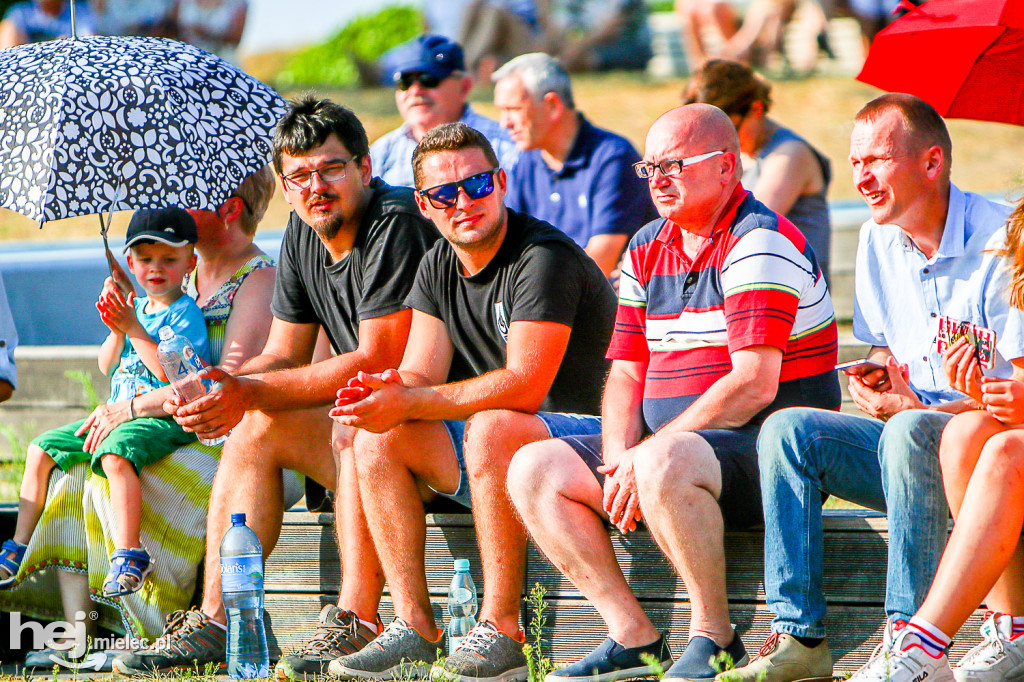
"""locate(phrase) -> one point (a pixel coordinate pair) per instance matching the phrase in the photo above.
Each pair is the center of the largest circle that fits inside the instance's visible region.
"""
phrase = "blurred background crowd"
(586, 35)
(213, 25)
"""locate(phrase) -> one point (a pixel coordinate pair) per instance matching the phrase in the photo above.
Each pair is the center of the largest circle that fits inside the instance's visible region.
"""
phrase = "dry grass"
(987, 156)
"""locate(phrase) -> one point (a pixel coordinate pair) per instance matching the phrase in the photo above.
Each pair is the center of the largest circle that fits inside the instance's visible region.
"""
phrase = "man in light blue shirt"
(432, 86)
(925, 253)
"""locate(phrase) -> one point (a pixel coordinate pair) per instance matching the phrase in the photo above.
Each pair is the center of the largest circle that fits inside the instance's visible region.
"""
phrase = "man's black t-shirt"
(371, 281)
(538, 275)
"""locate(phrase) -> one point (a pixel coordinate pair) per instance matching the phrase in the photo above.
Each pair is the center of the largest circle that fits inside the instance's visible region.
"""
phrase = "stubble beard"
(482, 241)
(328, 226)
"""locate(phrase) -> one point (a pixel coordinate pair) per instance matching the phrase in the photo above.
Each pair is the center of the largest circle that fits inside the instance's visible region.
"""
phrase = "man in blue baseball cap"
(431, 89)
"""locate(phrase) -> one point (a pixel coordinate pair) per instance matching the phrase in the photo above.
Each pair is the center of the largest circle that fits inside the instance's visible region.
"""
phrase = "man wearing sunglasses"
(510, 323)
(570, 173)
(723, 318)
(348, 259)
(432, 87)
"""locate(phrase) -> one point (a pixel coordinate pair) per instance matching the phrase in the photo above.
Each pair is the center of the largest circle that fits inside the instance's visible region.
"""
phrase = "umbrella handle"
(117, 273)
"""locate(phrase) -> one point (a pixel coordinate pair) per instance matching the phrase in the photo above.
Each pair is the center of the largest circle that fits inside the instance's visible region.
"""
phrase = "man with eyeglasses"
(723, 318)
(570, 173)
(432, 87)
(510, 323)
(348, 259)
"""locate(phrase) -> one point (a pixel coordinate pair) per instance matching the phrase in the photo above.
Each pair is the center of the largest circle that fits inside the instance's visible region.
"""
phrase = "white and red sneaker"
(904, 660)
(1000, 656)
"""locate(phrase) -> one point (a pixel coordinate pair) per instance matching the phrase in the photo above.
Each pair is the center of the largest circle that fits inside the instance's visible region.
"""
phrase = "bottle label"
(241, 573)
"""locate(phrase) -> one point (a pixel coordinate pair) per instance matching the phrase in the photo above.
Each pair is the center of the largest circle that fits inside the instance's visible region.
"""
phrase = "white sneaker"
(1000, 656)
(879, 658)
(903, 661)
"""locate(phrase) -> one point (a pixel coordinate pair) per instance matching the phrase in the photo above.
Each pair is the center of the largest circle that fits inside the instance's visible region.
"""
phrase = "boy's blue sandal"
(10, 565)
(128, 570)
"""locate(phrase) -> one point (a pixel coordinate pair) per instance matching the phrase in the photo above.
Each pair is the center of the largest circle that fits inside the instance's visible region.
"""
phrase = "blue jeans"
(894, 465)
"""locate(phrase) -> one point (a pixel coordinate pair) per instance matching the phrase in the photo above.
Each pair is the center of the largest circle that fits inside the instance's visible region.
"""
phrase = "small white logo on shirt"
(502, 320)
(555, 197)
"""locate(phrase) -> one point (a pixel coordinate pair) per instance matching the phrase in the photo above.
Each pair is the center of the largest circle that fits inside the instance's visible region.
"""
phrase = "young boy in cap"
(161, 253)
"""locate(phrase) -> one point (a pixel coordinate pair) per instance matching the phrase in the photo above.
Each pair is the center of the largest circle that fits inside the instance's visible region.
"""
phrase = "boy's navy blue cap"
(431, 54)
(172, 226)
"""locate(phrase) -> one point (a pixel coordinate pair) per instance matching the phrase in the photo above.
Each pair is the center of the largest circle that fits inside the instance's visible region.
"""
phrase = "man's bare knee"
(376, 451)
(527, 481)
(672, 464)
(493, 436)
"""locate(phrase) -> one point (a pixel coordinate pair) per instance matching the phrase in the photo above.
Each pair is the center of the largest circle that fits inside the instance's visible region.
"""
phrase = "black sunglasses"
(447, 195)
(426, 80)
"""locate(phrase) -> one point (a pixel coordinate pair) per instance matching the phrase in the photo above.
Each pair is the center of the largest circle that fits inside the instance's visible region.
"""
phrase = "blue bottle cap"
(462, 565)
(238, 519)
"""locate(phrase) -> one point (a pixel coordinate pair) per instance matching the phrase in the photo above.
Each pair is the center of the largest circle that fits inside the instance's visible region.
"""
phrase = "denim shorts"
(736, 450)
(558, 425)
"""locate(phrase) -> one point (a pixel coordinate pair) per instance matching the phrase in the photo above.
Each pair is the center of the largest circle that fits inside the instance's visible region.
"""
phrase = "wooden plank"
(833, 519)
(574, 628)
(294, 568)
(651, 575)
(306, 558)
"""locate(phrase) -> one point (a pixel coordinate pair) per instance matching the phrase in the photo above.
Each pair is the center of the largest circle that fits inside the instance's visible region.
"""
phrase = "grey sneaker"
(485, 655)
(338, 633)
(190, 641)
(400, 652)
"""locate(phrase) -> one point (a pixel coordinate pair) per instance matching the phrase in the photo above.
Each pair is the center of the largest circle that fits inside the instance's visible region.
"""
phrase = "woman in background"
(782, 169)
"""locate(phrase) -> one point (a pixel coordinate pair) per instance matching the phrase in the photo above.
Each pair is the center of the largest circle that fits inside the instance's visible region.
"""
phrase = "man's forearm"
(622, 420)
(272, 382)
(729, 403)
(264, 362)
(501, 389)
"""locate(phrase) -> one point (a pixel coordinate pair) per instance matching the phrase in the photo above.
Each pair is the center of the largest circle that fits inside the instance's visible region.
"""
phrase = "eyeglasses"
(330, 173)
(670, 167)
(426, 80)
(447, 195)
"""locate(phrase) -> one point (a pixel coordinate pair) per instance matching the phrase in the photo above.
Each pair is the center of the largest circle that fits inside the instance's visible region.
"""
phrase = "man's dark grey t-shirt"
(539, 275)
(371, 281)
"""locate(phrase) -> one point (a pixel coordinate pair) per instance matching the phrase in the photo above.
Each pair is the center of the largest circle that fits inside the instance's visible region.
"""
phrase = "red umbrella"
(964, 57)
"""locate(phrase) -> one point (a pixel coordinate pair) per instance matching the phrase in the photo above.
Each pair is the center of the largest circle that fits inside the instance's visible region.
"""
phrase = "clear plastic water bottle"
(462, 605)
(181, 364)
(241, 583)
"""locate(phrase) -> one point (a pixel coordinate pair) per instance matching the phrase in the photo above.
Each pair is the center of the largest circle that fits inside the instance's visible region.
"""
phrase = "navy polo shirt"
(595, 192)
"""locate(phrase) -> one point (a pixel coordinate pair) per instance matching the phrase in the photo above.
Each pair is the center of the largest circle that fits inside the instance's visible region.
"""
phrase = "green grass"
(836, 503)
(332, 62)
(11, 468)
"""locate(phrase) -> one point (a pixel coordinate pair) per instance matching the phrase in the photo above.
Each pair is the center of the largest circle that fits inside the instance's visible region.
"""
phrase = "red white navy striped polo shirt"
(756, 283)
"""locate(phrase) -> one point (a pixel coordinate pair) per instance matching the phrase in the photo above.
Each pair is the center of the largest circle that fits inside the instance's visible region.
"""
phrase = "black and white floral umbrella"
(99, 124)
